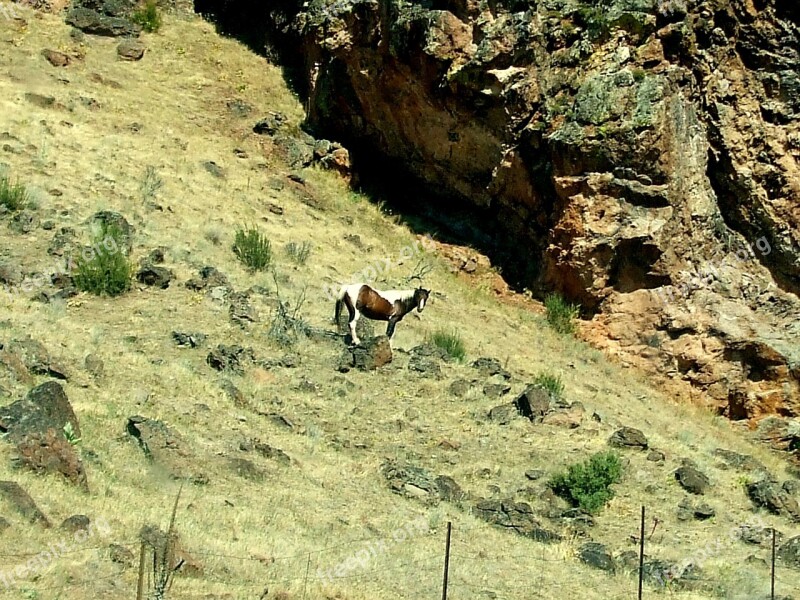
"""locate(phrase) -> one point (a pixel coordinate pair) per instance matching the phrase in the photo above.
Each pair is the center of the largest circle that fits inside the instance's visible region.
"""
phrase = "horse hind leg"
(352, 325)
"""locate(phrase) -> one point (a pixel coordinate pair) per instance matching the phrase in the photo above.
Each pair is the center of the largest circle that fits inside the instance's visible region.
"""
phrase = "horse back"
(372, 305)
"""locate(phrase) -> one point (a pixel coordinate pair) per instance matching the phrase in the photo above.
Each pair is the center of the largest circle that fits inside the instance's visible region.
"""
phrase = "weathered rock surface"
(44, 407)
(644, 159)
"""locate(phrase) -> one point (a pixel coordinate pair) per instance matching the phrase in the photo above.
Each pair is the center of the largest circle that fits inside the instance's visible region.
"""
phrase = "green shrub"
(586, 484)
(148, 16)
(106, 268)
(299, 253)
(561, 315)
(450, 342)
(253, 249)
(13, 196)
(551, 384)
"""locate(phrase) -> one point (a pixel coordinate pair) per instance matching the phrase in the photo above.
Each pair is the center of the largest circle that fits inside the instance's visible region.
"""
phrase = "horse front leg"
(390, 328)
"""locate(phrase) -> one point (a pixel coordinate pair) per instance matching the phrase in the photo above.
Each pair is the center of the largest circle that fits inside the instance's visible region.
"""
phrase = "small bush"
(104, 268)
(299, 253)
(253, 249)
(586, 484)
(450, 342)
(148, 17)
(13, 196)
(560, 314)
(551, 384)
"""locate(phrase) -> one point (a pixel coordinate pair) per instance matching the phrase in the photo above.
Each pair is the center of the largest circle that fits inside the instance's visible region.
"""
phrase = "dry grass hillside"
(256, 526)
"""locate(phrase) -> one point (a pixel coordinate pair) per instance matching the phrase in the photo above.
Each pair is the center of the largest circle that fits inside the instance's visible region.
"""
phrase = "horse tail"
(339, 304)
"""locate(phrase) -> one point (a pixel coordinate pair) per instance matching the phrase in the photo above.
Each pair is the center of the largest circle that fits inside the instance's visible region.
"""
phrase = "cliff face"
(640, 157)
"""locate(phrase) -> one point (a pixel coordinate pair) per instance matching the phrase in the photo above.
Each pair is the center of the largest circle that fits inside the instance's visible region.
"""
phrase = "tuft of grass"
(104, 269)
(148, 16)
(299, 253)
(552, 384)
(451, 342)
(151, 184)
(13, 196)
(561, 314)
(253, 248)
(587, 484)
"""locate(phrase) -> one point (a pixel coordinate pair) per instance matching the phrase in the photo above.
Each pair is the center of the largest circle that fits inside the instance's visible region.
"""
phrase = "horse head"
(421, 298)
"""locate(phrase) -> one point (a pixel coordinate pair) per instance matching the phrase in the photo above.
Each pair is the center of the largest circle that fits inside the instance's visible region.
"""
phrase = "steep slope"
(290, 467)
(638, 156)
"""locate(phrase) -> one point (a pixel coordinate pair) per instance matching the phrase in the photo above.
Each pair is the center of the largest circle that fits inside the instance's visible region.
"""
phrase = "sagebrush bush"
(449, 341)
(551, 384)
(587, 484)
(561, 314)
(148, 16)
(13, 196)
(299, 253)
(253, 249)
(104, 268)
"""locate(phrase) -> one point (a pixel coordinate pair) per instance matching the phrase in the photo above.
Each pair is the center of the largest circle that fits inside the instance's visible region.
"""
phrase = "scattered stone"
(504, 414)
(120, 555)
(56, 58)
(75, 523)
(496, 390)
(239, 108)
(94, 23)
(514, 516)
(164, 446)
(768, 494)
(154, 276)
(369, 355)
(534, 474)
(270, 124)
(656, 456)
(789, 552)
(272, 453)
(533, 403)
(692, 480)
(569, 419)
(24, 222)
(759, 536)
(230, 358)
(188, 340)
(40, 100)
(214, 169)
(488, 367)
(741, 462)
(628, 437)
(210, 277)
(240, 309)
(459, 387)
(131, 49)
(50, 452)
(21, 501)
(449, 490)
(704, 511)
(597, 555)
(44, 407)
(36, 358)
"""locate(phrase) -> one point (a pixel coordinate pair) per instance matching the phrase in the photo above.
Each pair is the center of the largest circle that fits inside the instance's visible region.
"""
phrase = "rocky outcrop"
(639, 157)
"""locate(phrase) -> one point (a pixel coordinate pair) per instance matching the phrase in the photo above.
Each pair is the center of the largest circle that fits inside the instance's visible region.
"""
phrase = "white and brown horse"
(391, 305)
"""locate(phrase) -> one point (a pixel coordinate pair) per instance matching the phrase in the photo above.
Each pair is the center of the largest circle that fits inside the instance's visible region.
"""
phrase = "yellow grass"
(312, 515)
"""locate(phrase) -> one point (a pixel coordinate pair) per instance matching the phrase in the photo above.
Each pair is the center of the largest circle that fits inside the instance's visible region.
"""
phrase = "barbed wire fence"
(450, 573)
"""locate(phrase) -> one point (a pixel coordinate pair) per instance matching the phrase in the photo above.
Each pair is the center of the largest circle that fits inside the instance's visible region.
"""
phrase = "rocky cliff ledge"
(641, 157)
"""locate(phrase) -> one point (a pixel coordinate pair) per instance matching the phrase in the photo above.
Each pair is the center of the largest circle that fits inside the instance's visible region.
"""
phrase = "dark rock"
(50, 452)
(164, 446)
(270, 124)
(534, 474)
(230, 358)
(246, 469)
(75, 523)
(628, 437)
(56, 58)
(240, 309)
(131, 49)
(21, 501)
(759, 536)
(107, 220)
(44, 407)
(741, 462)
(504, 414)
(214, 169)
(459, 387)
(655, 456)
(703, 512)
(272, 453)
(533, 403)
(596, 555)
(233, 393)
(449, 490)
(488, 367)
(24, 221)
(120, 555)
(514, 516)
(768, 494)
(36, 358)
(297, 150)
(94, 365)
(791, 487)
(239, 108)
(94, 23)
(188, 340)
(40, 100)
(210, 277)
(154, 276)
(496, 390)
(369, 355)
(789, 552)
(692, 480)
